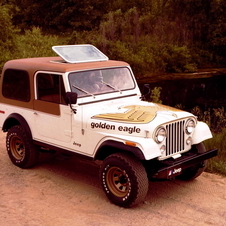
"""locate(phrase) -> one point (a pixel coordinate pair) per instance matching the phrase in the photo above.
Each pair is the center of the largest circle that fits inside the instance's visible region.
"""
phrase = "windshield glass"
(101, 81)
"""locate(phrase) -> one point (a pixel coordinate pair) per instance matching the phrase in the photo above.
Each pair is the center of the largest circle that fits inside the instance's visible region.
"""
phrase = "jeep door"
(53, 117)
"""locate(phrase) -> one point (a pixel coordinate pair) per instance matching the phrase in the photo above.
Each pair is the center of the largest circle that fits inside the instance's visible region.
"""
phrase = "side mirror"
(71, 98)
(145, 92)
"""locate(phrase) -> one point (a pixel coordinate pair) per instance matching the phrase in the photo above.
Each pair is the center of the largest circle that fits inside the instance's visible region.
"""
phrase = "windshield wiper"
(109, 85)
(84, 91)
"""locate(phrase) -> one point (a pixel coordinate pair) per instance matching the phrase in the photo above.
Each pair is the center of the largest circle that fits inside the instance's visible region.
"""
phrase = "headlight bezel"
(160, 135)
(190, 126)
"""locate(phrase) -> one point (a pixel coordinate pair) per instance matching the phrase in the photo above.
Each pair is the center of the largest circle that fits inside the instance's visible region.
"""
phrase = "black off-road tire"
(192, 172)
(20, 148)
(124, 180)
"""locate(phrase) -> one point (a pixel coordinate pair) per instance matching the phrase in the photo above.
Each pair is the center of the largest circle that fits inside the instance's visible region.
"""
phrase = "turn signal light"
(130, 143)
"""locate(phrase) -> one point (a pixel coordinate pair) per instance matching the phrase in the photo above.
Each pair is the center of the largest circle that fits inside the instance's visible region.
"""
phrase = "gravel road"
(66, 192)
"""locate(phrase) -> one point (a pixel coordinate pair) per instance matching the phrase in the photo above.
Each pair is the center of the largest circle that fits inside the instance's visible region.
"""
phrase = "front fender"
(142, 148)
(202, 132)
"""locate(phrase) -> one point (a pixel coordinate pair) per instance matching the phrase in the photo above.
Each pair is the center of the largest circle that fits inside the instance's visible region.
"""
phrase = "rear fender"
(16, 119)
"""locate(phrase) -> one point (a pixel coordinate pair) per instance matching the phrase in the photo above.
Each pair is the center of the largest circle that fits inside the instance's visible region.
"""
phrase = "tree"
(7, 34)
(59, 16)
(217, 28)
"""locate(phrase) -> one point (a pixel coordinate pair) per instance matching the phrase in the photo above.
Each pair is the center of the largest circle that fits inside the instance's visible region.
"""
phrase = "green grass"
(217, 164)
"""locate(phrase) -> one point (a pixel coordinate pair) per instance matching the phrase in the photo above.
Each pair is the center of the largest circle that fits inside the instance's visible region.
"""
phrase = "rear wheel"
(124, 180)
(20, 149)
(194, 171)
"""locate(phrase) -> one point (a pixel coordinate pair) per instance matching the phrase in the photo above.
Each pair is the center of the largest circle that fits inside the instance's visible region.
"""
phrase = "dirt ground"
(67, 192)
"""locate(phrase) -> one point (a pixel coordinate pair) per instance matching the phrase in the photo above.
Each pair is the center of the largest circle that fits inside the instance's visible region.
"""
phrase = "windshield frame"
(110, 87)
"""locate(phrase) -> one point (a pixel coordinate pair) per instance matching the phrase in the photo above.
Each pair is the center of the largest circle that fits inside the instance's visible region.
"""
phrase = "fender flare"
(202, 132)
(115, 146)
(16, 119)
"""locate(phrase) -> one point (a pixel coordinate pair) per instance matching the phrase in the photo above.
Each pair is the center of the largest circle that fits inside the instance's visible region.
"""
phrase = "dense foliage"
(153, 36)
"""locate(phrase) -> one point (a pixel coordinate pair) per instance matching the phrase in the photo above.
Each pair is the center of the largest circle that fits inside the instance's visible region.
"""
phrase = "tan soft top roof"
(57, 64)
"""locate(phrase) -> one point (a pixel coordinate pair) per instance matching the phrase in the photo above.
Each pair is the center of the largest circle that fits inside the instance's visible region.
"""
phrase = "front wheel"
(196, 170)
(124, 180)
(20, 149)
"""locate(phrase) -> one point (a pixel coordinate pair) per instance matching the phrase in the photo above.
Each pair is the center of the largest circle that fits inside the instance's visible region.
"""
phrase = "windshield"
(101, 81)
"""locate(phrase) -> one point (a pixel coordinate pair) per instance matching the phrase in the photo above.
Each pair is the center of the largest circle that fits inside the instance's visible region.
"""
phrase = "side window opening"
(16, 85)
(50, 87)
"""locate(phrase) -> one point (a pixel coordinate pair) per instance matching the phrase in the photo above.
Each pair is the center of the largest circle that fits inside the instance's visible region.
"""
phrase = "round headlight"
(160, 135)
(190, 126)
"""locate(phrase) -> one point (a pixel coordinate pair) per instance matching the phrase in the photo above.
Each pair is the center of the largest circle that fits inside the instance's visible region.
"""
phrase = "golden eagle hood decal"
(137, 113)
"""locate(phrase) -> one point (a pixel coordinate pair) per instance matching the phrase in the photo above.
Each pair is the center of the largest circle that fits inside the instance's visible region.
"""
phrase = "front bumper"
(174, 168)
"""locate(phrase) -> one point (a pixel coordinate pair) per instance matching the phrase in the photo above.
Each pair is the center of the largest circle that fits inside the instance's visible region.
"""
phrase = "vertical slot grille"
(175, 138)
